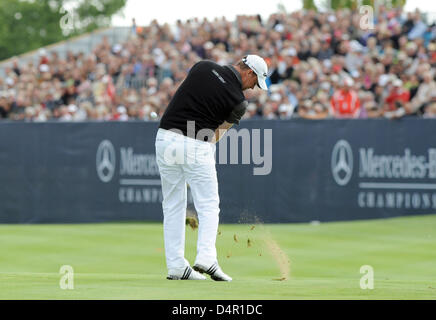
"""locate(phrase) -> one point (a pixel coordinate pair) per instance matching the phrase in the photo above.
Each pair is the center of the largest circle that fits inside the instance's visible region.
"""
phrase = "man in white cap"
(208, 102)
(345, 102)
(395, 102)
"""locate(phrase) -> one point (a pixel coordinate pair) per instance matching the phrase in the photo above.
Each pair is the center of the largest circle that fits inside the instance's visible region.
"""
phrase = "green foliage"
(353, 4)
(30, 24)
(339, 4)
(368, 3)
(398, 3)
(309, 5)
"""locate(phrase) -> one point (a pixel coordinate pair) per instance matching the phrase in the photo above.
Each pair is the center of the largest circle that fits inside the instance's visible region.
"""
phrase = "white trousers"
(184, 160)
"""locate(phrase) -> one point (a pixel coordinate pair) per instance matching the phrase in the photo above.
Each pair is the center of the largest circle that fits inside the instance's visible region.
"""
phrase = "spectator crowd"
(321, 65)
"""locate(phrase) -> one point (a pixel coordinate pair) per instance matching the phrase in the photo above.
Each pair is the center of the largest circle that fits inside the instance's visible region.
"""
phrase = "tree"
(26, 25)
(351, 4)
(309, 5)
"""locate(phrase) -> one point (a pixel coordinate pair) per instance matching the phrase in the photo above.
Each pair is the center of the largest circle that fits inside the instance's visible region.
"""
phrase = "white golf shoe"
(214, 271)
(185, 274)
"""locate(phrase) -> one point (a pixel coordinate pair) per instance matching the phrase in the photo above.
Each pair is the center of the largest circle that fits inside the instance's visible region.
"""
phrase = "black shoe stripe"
(184, 273)
(188, 274)
(212, 269)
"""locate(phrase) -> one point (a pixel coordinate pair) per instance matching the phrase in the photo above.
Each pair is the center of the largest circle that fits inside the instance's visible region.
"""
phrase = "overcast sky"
(170, 10)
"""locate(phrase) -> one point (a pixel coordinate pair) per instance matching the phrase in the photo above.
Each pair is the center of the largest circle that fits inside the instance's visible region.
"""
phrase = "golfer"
(208, 102)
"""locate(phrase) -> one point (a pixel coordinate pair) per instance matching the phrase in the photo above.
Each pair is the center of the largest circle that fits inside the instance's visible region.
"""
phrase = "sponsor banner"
(80, 172)
(283, 171)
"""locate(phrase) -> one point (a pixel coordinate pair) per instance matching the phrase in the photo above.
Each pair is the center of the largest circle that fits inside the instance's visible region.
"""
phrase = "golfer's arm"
(234, 117)
(221, 130)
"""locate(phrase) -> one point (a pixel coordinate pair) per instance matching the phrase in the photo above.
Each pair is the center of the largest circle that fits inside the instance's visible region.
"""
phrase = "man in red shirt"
(397, 97)
(345, 102)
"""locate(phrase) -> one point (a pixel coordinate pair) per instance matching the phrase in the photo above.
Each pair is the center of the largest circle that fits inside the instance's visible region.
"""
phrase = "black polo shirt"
(207, 96)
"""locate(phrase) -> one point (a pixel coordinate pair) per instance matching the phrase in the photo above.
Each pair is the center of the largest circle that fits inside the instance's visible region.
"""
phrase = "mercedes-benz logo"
(105, 161)
(342, 162)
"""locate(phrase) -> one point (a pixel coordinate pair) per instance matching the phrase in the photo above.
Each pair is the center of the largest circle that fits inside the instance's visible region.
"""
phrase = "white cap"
(331, 18)
(258, 65)
(291, 52)
(383, 80)
(325, 85)
(355, 46)
(274, 88)
(44, 68)
(251, 106)
(327, 63)
(285, 107)
(121, 109)
(276, 97)
(117, 48)
(355, 74)
(72, 108)
(279, 27)
(397, 83)
(348, 82)
(208, 45)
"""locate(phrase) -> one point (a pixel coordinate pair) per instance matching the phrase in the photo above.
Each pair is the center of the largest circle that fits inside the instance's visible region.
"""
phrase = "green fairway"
(126, 261)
